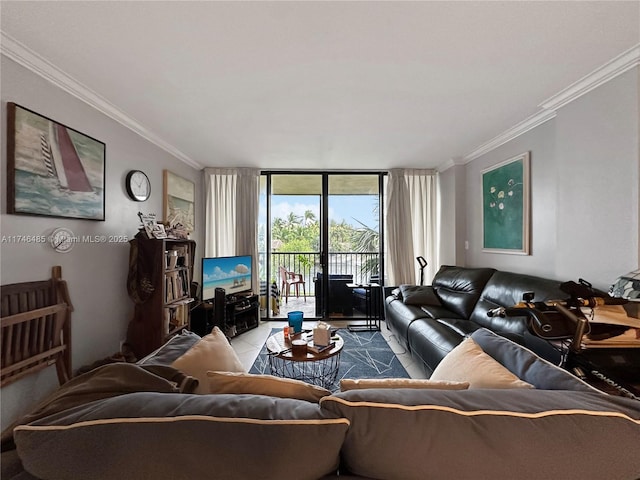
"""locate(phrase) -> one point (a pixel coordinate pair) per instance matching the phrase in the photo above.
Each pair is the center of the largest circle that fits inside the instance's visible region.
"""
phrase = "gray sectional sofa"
(562, 428)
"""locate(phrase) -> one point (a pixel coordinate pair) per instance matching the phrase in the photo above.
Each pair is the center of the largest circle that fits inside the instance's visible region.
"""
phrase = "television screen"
(231, 273)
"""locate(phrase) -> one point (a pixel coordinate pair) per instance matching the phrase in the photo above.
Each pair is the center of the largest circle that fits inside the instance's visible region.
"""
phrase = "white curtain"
(411, 225)
(422, 187)
(399, 234)
(231, 213)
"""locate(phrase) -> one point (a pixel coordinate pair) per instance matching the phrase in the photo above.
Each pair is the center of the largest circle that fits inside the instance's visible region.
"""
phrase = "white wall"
(585, 196)
(597, 151)
(96, 273)
(452, 216)
(541, 143)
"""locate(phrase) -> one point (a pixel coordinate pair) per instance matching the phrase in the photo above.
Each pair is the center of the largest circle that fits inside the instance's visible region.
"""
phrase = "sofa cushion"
(481, 434)
(419, 295)
(400, 316)
(212, 352)
(430, 341)
(460, 325)
(175, 347)
(347, 384)
(459, 288)
(233, 382)
(468, 363)
(526, 365)
(438, 311)
(505, 289)
(184, 437)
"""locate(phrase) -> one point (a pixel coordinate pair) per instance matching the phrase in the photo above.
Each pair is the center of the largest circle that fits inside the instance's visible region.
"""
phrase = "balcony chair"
(290, 279)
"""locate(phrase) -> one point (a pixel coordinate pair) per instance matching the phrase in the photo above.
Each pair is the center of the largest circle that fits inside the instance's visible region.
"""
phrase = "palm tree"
(309, 217)
(293, 219)
(278, 223)
(367, 241)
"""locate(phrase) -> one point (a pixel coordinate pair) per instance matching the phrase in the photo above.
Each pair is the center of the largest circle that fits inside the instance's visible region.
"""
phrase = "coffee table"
(317, 368)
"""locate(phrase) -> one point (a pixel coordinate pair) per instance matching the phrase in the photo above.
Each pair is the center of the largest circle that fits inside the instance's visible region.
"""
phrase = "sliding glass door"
(353, 235)
(318, 233)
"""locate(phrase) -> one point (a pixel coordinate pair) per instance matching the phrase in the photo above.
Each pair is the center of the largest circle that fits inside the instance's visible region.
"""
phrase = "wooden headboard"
(36, 328)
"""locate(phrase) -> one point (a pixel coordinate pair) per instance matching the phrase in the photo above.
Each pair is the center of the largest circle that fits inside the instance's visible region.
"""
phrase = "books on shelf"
(176, 285)
(176, 315)
(177, 256)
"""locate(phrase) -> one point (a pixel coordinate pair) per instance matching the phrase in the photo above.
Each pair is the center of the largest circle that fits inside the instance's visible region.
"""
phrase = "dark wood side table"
(613, 370)
(373, 307)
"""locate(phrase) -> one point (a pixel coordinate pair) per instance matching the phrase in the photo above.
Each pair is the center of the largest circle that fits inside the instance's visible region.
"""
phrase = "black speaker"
(219, 306)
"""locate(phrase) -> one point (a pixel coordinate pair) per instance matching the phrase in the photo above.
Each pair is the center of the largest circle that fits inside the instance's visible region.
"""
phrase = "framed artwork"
(506, 206)
(52, 170)
(179, 201)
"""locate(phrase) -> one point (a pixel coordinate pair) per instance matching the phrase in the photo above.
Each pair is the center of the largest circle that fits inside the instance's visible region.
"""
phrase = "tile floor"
(306, 305)
(248, 345)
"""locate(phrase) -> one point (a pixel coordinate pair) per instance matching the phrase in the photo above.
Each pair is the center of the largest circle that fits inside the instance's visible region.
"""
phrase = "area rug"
(365, 355)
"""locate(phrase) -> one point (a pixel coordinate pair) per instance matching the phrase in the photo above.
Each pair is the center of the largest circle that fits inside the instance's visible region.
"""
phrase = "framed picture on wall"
(179, 201)
(52, 170)
(506, 206)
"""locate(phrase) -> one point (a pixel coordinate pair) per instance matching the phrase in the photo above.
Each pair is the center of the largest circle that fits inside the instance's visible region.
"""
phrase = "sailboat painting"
(52, 170)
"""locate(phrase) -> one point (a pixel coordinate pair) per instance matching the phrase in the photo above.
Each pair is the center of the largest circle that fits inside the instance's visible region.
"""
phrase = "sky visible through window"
(341, 207)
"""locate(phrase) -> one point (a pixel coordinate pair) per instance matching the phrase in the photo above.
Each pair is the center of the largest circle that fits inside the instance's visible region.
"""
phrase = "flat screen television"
(231, 273)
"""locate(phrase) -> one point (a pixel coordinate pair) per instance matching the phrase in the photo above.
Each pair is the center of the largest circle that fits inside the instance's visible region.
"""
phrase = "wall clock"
(62, 240)
(138, 185)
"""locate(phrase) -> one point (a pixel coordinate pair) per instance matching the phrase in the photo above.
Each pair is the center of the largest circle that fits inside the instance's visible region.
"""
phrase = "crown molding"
(508, 135)
(452, 162)
(19, 53)
(26, 57)
(445, 165)
(601, 75)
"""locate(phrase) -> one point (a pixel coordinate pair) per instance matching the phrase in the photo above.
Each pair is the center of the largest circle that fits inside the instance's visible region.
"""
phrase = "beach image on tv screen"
(231, 273)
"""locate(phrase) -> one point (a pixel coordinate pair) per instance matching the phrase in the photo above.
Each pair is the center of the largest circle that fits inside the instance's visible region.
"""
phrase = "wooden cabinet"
(159, 283)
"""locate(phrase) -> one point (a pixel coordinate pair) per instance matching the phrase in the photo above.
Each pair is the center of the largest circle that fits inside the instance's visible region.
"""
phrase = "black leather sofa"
(463, 296)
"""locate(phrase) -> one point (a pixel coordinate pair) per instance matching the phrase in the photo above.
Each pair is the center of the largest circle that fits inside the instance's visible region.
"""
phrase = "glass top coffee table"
(317, 368)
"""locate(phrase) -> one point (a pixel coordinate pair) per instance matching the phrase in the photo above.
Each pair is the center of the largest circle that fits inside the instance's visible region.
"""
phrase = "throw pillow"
(526, 365)
(419, 295)
(468, 363)
(212, 352)
(229, 382)
(349, 384)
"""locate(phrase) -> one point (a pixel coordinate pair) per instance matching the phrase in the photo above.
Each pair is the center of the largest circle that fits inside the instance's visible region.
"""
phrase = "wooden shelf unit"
(168, 274)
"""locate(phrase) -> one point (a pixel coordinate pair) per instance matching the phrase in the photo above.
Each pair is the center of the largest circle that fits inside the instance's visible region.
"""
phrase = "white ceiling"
(327, 85)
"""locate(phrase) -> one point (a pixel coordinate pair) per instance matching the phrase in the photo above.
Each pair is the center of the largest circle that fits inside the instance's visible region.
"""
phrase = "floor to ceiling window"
(317, 233)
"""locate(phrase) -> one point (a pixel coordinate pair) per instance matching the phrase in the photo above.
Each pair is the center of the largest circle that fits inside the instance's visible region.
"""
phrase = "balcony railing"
(307, 264)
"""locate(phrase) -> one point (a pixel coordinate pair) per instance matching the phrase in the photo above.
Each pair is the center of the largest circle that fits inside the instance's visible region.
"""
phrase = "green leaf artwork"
(505, 206)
